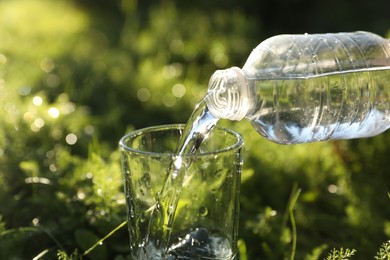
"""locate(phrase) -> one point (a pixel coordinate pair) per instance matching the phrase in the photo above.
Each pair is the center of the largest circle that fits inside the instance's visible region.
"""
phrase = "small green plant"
(384, 251)
(62, 255)
(340, 254)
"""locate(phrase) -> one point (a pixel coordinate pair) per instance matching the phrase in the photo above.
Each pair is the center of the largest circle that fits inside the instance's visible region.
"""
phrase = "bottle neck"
(228, 94)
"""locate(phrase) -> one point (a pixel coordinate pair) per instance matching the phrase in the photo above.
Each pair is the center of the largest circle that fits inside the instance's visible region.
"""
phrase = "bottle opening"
(228, 94)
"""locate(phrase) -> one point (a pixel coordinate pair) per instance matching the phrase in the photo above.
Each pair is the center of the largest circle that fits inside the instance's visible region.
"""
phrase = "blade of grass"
(41, 254)
(242, 250)
(104, 238)
(295, 192)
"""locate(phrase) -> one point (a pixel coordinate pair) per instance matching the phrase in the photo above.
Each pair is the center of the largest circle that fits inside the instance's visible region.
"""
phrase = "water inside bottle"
(331, 106)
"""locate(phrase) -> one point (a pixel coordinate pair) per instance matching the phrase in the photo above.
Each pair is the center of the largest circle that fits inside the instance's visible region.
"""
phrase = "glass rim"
(236, 145)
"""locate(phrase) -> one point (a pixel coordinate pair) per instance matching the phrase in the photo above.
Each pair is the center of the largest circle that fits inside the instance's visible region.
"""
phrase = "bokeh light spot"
(68, 108)
(28, 116)
(47, 65)
(25, 91)
(71, 139)
(169, 100)
(53, 80)
(176, 46)
(172, 70)
(143, 94)
(81, 195)
(89, 129)
(220, 60)
(63, 98)
(169, 71)
(178, 90)
(50, 154)
(39, 123)
(37, 101)
(52, 168)
(56, 133)
(218, 55)
(332, 188)
(35, 222)
(53, 112)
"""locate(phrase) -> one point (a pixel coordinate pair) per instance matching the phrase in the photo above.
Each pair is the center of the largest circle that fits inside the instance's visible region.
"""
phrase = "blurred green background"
(77, 75)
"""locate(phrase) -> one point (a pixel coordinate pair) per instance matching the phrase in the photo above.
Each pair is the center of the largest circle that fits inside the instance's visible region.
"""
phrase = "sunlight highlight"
(53, 112)
(37, 101)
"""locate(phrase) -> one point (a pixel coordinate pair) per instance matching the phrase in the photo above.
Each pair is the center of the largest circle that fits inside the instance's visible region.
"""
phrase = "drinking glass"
(205, 220)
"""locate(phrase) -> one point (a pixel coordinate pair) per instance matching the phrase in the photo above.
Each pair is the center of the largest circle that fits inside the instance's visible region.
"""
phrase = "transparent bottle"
(307, 88)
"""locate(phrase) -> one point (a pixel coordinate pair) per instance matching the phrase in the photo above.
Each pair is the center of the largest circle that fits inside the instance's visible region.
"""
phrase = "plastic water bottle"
(307, 88)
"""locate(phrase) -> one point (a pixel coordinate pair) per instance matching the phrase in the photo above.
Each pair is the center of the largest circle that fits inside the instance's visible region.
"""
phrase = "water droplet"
(171, 209)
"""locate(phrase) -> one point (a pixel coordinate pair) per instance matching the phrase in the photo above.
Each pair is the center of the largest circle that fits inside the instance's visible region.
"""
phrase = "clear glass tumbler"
(205, 222)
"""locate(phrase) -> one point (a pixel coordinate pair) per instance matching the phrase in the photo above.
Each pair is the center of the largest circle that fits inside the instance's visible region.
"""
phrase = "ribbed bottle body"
(335, 106)
(306, 88)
